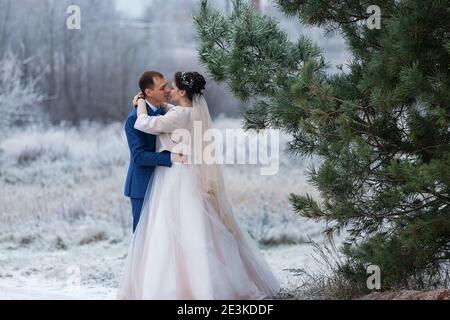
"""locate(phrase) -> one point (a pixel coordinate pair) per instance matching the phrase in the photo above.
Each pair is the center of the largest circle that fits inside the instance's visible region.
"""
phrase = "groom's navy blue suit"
(143, 160)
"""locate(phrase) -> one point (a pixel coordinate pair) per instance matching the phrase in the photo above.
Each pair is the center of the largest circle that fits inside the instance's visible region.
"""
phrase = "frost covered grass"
(62, 204)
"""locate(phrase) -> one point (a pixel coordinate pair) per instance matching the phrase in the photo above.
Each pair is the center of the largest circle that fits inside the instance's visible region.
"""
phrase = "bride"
(188, 244)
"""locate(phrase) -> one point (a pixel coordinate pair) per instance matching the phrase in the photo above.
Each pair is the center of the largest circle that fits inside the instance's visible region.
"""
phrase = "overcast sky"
(334, 48)
(132, 7)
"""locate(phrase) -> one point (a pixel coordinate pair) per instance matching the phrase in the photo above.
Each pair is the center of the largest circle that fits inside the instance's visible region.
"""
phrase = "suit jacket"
(143, 157)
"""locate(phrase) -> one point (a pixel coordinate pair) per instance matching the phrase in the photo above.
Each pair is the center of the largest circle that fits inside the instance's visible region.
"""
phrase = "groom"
(143, 158)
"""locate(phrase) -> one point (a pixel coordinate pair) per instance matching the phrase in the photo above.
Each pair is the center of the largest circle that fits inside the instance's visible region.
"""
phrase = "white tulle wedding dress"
(188, 245)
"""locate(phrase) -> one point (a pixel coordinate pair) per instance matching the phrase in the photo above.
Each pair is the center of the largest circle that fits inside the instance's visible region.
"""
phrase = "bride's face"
(176, 94)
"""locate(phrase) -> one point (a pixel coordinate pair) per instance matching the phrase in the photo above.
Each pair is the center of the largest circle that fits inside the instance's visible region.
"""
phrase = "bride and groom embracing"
(187, 244)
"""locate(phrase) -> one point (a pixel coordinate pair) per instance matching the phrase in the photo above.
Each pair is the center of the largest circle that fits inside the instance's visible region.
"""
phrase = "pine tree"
(380, 127)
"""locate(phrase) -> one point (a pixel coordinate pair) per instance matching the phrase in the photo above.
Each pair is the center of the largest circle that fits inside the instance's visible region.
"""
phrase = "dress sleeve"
(168, 123)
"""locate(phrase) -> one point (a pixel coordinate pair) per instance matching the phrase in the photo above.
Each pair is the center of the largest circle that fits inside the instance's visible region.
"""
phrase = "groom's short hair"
(146, 80)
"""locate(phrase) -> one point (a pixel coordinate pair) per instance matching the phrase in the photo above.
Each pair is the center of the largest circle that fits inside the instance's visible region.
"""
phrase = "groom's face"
(160, 91)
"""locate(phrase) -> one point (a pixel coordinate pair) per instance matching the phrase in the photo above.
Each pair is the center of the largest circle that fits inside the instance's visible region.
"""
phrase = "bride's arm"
(141, 108)
(167, 123)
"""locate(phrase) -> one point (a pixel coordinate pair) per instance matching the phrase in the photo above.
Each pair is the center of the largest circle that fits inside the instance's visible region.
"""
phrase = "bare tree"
(5, 8)
(91, 73)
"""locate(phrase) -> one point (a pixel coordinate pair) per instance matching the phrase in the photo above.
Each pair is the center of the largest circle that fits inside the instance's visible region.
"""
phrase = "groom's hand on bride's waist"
(178, 157)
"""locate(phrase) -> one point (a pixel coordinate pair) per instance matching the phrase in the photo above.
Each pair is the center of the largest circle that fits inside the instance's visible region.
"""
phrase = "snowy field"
(65, 225)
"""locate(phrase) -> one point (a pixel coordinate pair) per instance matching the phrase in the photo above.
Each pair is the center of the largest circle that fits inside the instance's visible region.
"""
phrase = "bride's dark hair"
(191, 82)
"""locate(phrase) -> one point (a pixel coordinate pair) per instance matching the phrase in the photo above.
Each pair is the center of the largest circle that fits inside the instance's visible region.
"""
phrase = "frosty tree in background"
(19, 96)
(381, 126)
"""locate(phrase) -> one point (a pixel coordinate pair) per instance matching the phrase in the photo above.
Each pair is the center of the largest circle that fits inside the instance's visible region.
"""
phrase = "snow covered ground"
(92, 272)
(65, 225)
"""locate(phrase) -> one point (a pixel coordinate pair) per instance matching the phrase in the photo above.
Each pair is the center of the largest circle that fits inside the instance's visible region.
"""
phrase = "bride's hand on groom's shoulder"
(138, 96)
(165, 106)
